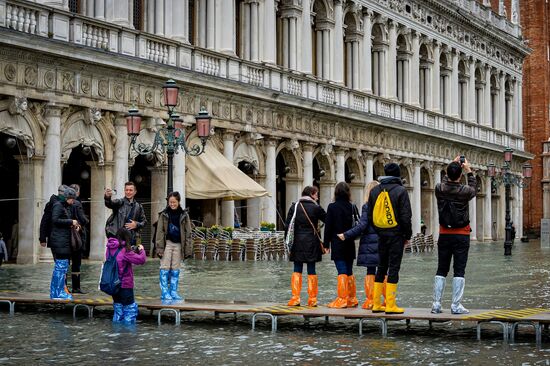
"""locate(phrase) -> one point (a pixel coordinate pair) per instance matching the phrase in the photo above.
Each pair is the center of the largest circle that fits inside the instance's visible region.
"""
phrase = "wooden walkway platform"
(509, 320)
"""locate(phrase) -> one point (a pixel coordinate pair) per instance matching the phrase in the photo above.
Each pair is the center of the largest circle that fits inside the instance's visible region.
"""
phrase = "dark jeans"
(299, 267)
(452, 246)
(344, 267)
(76, 261)
(125, 296)
(371, 270)
(390, 250)
(60, 256)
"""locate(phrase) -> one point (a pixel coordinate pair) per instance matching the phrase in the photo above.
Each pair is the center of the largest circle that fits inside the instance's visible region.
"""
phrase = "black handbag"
(76, 240)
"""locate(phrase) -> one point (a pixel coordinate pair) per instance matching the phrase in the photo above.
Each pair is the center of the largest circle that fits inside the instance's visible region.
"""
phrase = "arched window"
(402, 68)
(508, 98)
(462, 89)
(494, 100)
(378, 54)
(480, 85)
(444, 83)
(351, 51)
(424, 79)
(137, 14)
(74, 6)
(320, 45)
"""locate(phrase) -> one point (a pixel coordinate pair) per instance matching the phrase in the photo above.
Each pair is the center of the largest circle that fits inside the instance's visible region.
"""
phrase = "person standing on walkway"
(124, 303)
(454, 232)
(391, 215)
(127, 213)
(60, 243)
(3, 250)
(173, 243)
(46, 221)
(77, 213)
(306, 245)
(367, 255)
(340, 219)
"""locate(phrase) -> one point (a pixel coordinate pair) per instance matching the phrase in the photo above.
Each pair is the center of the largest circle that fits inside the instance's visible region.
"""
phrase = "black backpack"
(453, 214)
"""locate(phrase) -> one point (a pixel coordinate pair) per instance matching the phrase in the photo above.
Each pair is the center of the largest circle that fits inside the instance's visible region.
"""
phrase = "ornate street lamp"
(508, 179)
(171, 138)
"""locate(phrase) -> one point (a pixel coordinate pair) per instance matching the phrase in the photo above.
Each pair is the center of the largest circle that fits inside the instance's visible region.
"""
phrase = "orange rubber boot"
(312, 290)
(342, 300)
(352, 292)
(369, 291)
(296, 287)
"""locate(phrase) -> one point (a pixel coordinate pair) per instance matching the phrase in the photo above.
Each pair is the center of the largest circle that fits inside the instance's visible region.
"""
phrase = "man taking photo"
(454, 231)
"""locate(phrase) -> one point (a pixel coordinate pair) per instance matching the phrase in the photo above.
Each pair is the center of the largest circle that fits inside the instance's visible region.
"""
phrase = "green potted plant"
(264, 226)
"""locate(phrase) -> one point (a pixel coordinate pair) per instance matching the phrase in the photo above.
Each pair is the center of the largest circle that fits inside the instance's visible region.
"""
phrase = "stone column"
(254, 31)
(159, 17)
(52, 152)
(307, 150)
(366, 64)
(325, 50)
(90, 7)
(454, 85)
(415, 69)
(121, 13)
(338, 54)
(391, 61)
(226, 25)
(501, 120)
(179, 174)
(487, 95)
(98, 211)
(121, 154)
(515, 208)
(519, 108)
(436, 77)
(471, 91)
(369, 166)
(99, 10)
(210, 23)
(519, 223)
(293, 49)
(168, 14)
(270, 35)
(340, 165)
(306, 38)
(435, 212)
(472, 207)
(159, 175)
(417, 198)
(31, 207)
(228, 207)
(487, 216)
(271, 181)
(293, 192)
(150, 16)
(180, 20)
(327, 193)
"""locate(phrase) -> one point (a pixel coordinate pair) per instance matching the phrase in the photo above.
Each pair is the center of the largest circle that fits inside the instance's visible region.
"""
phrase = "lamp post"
(170, 139)
(508, 179)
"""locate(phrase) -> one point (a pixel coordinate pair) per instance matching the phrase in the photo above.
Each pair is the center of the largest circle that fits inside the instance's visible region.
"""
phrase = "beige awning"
(210, 175)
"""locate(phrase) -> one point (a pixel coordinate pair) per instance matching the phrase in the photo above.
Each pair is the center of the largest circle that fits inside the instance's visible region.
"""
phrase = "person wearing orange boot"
(367, 255)
(305, 244)
(340, 219)
(391, 215)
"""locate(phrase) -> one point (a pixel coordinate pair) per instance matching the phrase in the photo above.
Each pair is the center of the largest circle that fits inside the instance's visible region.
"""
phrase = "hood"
(385, 179)
(112, 243)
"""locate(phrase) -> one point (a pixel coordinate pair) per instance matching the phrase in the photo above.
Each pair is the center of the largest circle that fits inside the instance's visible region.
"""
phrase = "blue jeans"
(344, 267)
(124, 296)
(299, 267)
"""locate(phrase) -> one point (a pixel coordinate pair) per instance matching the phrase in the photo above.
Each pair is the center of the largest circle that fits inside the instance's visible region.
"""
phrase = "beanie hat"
(392, 170)
(70, 193)
(61, 189)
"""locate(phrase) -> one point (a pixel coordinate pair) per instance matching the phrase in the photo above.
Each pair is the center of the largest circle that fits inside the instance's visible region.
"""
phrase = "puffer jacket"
(339, 220)
(306, 246)
(457, 192)
(60, 236)
(401, 206)
(367, 255)
(125, 260)
(185, 232)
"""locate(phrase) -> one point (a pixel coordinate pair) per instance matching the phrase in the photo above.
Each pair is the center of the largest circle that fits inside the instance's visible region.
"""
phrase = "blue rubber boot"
(57, 286)
(163, 281)
(174, 280)
(118, 314)
(130, 313)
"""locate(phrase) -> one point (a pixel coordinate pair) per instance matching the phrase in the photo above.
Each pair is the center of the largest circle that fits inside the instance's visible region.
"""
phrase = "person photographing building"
(454, 232)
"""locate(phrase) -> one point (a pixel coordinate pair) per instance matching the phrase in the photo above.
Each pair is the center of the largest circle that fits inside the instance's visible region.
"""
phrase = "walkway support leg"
(166, 310)
(266, 315)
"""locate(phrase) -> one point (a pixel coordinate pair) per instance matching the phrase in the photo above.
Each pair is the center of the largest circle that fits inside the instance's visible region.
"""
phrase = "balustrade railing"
(33, 18)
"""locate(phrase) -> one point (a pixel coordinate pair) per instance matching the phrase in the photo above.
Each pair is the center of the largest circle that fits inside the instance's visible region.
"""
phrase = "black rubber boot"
(76, 284)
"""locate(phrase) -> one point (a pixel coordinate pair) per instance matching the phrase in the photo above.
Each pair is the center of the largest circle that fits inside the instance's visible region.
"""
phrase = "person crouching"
(125, 307)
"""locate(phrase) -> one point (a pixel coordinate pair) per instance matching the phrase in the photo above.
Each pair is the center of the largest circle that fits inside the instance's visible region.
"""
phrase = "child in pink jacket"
(125, 307)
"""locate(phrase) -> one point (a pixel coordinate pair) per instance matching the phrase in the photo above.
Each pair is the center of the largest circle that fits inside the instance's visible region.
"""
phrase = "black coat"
(401, 206)
(60, 236)
(339, 220)
(306, 247)
(367, 255)
(46, 221)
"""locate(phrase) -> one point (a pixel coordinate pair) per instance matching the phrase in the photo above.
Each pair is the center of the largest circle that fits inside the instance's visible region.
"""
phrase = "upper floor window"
(74, 6)
(137, 20)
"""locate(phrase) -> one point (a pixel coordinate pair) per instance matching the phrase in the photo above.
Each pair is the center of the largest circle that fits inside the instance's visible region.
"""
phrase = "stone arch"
(406, 174)
(322, 9)
(426, 51)
(356, 167)
(18, 121)
(426, 178)
(78, 130)
(326, 163)
(379, 34)
(249, 153)
(403, 41)
(352, 21)
(292, 158)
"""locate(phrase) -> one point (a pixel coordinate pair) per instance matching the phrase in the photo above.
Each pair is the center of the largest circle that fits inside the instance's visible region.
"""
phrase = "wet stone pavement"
(44, 335)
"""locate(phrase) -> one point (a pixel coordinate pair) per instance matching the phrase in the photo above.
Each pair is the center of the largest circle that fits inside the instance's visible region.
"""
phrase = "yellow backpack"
(383, 216)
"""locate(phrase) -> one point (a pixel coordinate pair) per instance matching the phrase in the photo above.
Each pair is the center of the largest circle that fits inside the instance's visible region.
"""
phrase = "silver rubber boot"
(458, 292)
(439, 287)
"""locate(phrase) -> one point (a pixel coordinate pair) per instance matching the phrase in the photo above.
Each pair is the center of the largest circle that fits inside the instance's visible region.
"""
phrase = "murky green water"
(48, 335)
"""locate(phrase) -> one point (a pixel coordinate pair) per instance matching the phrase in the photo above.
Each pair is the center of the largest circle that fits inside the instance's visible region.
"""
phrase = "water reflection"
(48, 335)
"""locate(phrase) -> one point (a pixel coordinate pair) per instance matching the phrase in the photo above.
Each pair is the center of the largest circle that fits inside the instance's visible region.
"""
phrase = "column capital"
(271, 141)
(308, 146)
(437, 43)
(340, 150)
(369, 155)
(368, 13)
(228, 135)
(54, 109)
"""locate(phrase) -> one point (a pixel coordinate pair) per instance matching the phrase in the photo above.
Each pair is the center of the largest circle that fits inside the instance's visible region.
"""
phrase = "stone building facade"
(535, 16)
(301, 92)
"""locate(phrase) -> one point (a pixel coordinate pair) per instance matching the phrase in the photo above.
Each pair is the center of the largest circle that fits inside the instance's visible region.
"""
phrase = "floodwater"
(44, 335)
